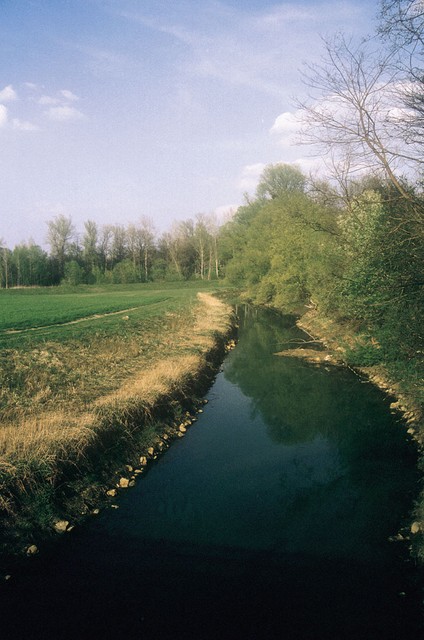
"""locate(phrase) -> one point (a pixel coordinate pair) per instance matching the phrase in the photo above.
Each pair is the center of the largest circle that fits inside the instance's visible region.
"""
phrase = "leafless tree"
(352, 110)
(402, 31)
(147, 235)
(89, 243)
(4, 264)
(60, 234)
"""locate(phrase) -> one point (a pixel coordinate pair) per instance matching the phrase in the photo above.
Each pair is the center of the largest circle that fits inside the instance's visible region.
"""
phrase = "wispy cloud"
(68, 95)
(282, 16)
(62, 97)
(253, 49)
(102, 61)
(250, 176)
(24, 125)
(221, 47)
(60, 104)
(64, 113)
(8, 94)
(3, 115)
(48, 100)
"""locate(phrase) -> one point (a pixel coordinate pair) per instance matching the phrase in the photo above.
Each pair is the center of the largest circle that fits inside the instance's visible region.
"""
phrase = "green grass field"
(30, 316)
(64, 348)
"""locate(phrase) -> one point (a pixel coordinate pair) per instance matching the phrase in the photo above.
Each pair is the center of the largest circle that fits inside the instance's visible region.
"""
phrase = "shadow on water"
(270, 519)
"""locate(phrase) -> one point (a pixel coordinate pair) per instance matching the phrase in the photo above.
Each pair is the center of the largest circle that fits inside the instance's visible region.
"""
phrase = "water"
(271, 518)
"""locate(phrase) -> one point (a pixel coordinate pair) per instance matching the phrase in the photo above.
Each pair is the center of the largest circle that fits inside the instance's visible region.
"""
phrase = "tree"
(402, 29)
(286, 253)
(4, 264)
(135, 249)
(60, 233)
(74, 273)
(214, 246)
(104, 244)
(118, 247)
(147, 237)
(123, 272)
(354, 109)
(278, 179)
(38, 265)
(89, 245)
(179, 247)
(202, 242)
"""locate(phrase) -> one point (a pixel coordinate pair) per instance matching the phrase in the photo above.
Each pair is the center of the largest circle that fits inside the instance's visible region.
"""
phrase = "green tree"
(279, 179)
(74, 273)
(286, 252)
(29, 265)
(123, 272)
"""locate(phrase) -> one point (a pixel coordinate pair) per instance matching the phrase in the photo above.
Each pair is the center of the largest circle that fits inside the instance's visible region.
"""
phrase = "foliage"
(284, 249)
(73, 273)
(280, 179)
(115, 254)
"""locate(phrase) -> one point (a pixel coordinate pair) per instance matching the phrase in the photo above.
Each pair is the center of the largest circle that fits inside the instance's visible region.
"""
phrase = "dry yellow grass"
(50, 433)
(156, 381)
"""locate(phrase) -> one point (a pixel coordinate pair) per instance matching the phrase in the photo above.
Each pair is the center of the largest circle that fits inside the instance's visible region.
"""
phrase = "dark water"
(270, 519)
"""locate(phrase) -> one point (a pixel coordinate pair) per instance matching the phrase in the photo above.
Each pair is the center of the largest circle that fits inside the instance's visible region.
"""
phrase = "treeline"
(114, 254)
(350, 244)
(359, 261)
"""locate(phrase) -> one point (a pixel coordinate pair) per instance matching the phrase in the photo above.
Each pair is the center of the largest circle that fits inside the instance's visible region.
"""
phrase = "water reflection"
(348, 464)
(269, 519)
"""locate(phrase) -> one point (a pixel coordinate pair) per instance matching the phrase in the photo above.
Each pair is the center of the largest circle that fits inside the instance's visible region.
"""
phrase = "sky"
(115, 109)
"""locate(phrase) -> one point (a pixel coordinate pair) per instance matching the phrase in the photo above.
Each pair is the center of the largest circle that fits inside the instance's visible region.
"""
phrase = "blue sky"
(115, 109)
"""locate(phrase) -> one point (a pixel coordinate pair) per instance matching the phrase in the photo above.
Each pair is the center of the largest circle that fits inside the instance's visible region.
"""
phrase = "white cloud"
(48, 100)
(287, 126)
(24, 125)
(68, 95)
(310, 165)
(61, 99)
(64, 113)
(278, 17)
(250, 176)
(3, 115)
(8, 94)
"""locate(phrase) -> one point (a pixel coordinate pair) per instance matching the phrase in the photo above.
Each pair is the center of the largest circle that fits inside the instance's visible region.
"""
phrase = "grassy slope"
(71, 394)
(404, 380)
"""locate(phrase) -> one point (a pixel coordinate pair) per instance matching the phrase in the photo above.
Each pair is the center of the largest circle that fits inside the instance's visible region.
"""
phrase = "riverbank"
(405, 389)
(60, 465)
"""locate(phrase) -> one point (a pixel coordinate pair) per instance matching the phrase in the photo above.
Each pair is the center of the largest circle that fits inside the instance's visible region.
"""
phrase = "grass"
(75, 396)
(46, 309)
(71, 365)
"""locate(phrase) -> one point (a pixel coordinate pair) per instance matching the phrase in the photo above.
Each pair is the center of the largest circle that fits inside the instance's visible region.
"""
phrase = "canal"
(274, 517)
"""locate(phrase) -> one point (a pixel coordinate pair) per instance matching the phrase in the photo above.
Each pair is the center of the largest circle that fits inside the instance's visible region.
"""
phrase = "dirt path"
(63, 324)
